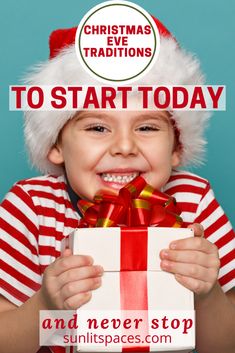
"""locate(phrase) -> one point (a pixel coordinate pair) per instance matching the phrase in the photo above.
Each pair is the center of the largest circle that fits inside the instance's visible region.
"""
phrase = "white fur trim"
(174, 67)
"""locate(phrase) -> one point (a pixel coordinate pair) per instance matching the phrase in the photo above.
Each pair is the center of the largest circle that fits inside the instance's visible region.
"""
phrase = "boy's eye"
(96, 128)
(148, 128)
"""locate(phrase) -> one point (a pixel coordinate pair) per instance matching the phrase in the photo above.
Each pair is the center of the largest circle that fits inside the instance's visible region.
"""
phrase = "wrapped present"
(133, 285)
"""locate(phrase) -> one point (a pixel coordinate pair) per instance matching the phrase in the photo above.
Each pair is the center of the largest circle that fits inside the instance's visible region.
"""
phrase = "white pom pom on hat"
(174, 66)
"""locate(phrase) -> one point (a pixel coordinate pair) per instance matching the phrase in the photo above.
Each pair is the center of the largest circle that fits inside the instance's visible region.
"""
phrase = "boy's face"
(108, 149)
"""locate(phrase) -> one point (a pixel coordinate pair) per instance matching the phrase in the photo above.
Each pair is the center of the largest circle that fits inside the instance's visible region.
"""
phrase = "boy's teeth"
(122, 179)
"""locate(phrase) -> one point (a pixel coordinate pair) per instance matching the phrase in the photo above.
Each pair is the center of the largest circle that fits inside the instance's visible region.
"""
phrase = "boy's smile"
(115, 178)
(108, 149)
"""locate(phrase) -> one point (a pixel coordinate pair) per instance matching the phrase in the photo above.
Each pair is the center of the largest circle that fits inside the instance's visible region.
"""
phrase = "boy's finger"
(196, 243)
(189, 270)
(85, 285)
(195, 285)
(73, 303)
(189, 256)
(66, 263)
(79, 274)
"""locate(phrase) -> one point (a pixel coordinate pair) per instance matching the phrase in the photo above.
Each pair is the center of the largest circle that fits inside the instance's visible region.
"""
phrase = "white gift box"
(134, 287)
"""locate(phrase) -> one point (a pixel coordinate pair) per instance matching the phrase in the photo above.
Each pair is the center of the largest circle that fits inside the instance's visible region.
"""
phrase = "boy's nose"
(124, 144)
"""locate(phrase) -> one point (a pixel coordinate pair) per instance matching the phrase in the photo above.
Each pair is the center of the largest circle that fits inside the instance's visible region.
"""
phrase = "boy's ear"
(55, 155)
(175, 158)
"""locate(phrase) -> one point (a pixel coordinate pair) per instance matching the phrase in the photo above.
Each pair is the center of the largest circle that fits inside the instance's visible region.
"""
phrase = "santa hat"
(174, 66)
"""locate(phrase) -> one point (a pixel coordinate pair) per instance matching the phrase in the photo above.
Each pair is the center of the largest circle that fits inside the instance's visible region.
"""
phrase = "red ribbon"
(137, 204)
(133, 279)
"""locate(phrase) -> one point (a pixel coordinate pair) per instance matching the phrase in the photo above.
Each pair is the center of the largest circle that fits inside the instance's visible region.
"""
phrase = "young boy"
(93, 150)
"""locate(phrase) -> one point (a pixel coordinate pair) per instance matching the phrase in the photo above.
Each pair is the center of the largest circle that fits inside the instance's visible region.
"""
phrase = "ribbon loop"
(137, 204)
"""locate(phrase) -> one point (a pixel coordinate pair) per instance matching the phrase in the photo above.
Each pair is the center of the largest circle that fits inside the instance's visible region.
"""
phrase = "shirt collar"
(74, 198)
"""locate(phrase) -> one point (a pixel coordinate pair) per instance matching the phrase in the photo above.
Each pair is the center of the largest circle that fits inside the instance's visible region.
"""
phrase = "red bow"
(137, 204)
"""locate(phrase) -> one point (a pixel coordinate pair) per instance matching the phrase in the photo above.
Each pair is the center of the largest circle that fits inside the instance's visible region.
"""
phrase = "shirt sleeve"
(218, 230)
(19, 261)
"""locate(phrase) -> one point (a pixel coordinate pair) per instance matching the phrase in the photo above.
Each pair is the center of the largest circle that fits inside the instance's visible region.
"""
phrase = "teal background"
(206, 28)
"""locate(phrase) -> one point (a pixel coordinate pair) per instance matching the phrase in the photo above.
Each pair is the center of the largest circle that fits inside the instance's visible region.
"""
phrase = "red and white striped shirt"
(37, 214)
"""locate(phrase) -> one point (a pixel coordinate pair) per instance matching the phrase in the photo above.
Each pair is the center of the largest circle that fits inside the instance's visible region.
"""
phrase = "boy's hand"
(69, 281)
(194, 261)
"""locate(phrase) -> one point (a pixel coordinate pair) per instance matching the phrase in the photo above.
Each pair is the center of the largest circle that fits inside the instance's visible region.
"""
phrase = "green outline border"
(108, 79)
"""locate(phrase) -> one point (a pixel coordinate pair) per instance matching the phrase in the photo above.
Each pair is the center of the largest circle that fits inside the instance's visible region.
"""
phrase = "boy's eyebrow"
(84, 114)
(156, 115)
(159, 115)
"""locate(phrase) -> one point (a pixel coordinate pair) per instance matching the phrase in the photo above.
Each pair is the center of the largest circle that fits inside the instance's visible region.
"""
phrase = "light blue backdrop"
(204, 27)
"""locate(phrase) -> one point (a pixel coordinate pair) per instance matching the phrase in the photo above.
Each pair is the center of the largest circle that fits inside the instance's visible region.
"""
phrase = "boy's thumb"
(66, 252)
(198, 229)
